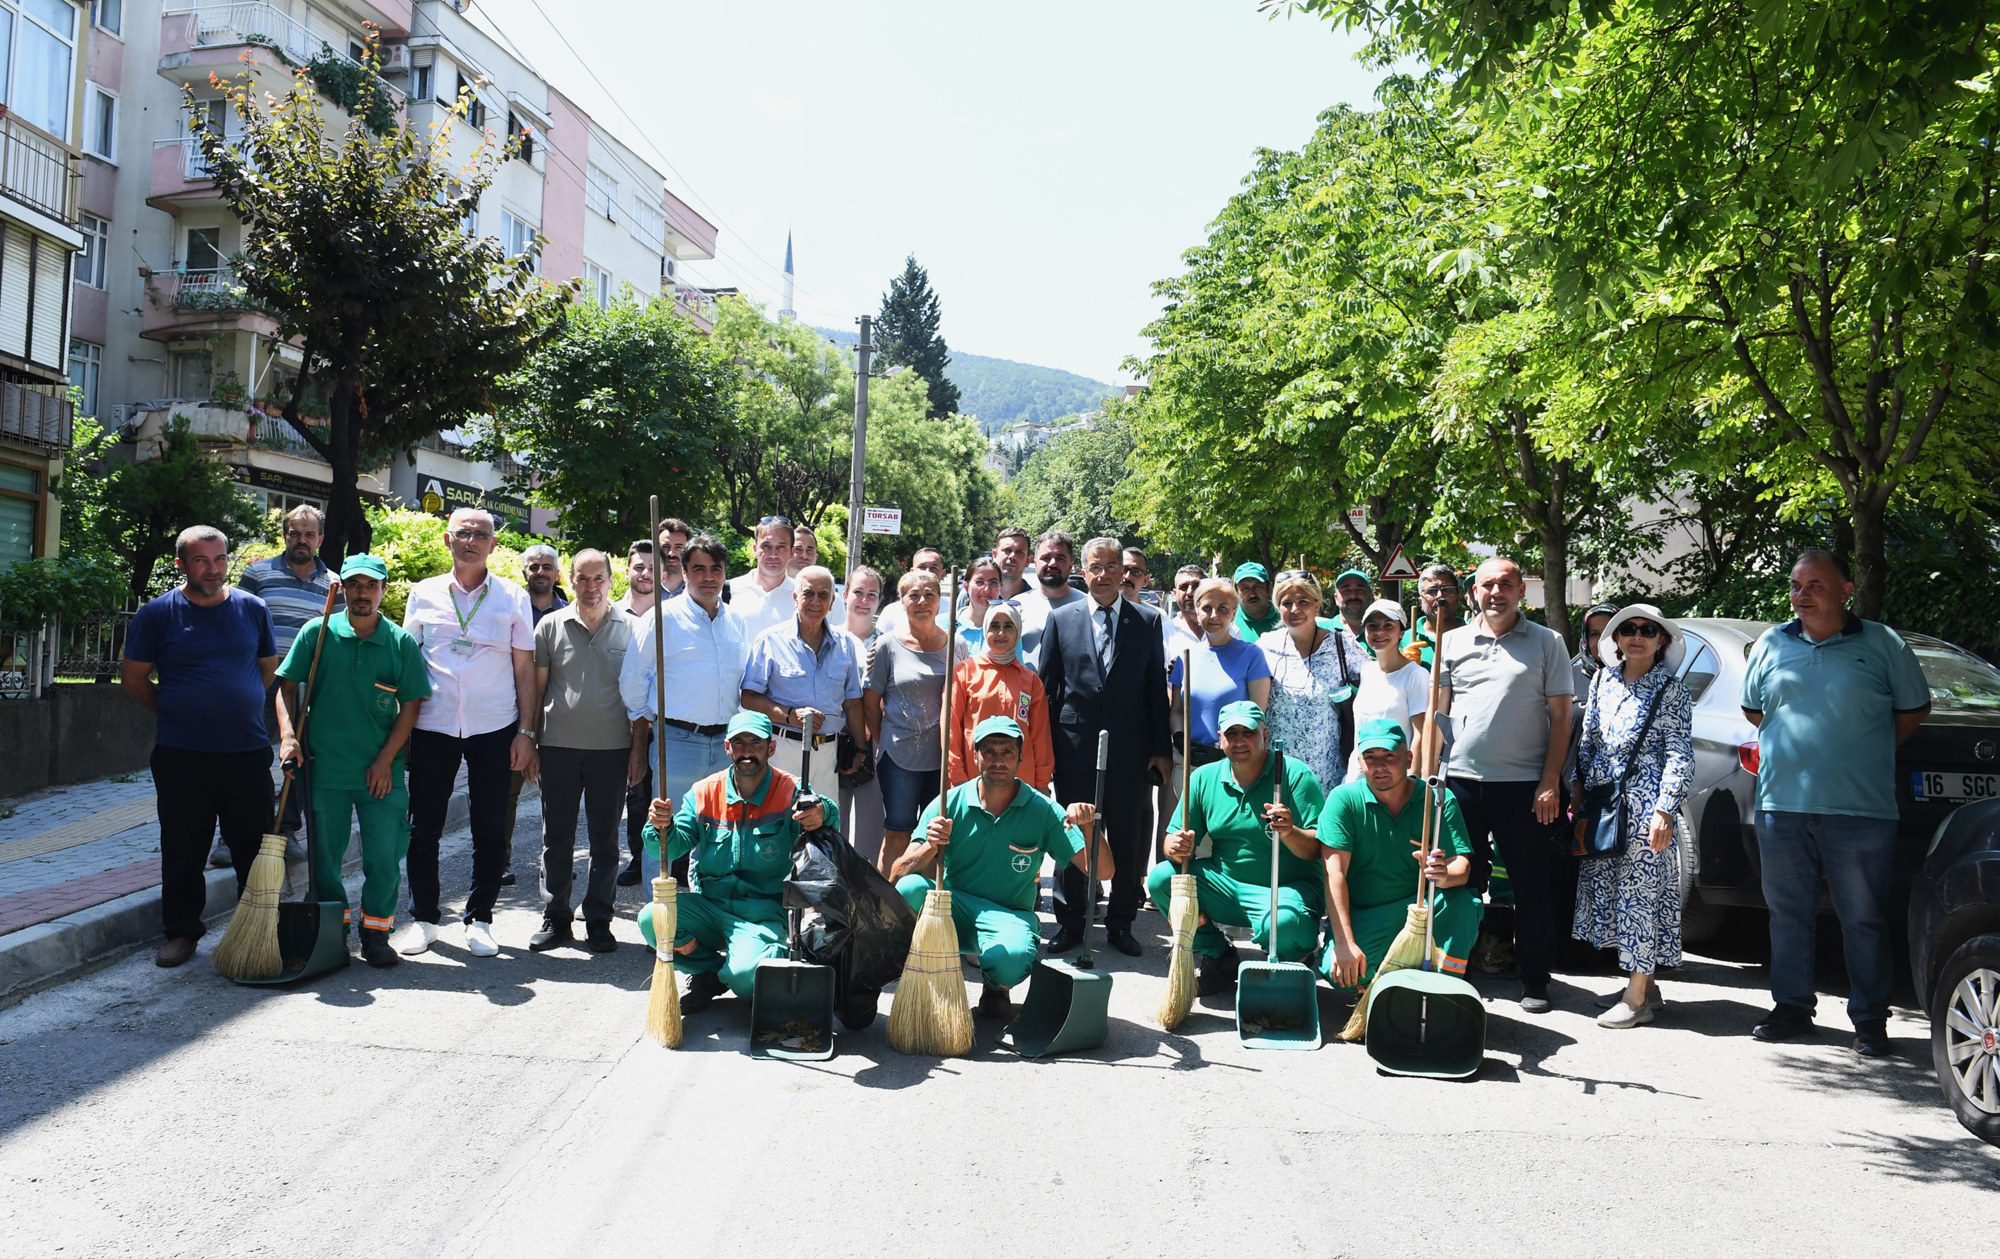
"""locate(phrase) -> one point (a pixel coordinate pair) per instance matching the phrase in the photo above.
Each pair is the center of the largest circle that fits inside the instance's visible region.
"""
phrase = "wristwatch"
(530, 734)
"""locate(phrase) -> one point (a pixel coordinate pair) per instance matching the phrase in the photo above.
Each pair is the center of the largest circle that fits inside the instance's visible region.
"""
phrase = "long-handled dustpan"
(312, 933)
(1069, 1004)
(1277, 1003)
(791, 1001)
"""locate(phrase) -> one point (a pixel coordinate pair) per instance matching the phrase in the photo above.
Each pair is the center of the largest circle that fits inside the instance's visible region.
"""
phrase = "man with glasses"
(1014, 550)
(1137, 578)
(1585, 662)
(807, 670)
(293, 586)
(673, 540)
(1255, 615)
(541, 573)
(763, 597)
(1437, 588)
(477, 631)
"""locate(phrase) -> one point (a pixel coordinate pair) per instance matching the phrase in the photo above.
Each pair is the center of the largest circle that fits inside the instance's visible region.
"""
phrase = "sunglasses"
(774, 520)
(1639, 629)
(1293, 574)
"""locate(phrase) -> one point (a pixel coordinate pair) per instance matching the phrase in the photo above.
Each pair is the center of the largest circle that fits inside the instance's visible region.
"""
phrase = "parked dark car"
(1955, 961)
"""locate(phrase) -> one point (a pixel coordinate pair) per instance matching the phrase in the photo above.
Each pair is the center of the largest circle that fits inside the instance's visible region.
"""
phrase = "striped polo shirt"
(292, 602)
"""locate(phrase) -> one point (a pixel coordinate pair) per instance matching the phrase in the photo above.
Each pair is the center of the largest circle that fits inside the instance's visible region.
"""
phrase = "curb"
(74, 945)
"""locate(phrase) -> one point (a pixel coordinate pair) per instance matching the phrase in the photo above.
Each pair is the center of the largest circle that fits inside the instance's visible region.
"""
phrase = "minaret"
(786, 312)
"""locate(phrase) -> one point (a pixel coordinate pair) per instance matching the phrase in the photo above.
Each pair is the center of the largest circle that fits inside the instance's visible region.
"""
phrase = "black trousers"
(433, 761)
(197, 792)
(1501, 815)
(596, 779)
(638, 798)
(1128, 829)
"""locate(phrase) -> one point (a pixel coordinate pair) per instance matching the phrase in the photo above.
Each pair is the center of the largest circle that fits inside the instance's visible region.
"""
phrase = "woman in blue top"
(1226, 669)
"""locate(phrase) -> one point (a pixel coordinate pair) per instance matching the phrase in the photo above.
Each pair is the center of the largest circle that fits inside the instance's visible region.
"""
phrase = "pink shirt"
(469, 638)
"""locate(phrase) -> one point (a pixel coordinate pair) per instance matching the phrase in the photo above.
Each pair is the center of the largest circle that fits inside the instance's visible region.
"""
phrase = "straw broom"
(929, 1014)
(663, 1001)
(1183, 906)
(249, 947)
(1411, 947)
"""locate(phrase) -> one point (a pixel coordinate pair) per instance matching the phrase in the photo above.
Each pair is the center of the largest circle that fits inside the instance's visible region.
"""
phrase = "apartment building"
(162, 330)
(43, 49)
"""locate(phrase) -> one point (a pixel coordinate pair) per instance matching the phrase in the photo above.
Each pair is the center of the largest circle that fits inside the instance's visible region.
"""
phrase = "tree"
(906, 335)
(788, 448)
(1069, 483)
(626, 402)
(934, 470)
(130, 513)
(355, 244)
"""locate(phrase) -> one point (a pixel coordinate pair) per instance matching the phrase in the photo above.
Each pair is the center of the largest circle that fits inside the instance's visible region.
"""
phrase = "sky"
(1045, 162)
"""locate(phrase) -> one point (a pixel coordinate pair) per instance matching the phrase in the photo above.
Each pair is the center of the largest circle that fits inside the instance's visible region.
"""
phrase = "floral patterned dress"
(1303, 713)
(1633, 900)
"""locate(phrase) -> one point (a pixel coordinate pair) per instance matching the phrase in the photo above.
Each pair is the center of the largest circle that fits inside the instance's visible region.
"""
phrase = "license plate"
(1935, 785)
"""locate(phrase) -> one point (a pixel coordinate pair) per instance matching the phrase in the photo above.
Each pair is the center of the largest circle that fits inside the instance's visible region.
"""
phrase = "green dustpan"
(1068, 1009)
(312, 934)
(791, 1007)
(1425, 1022)
(1277, 1003)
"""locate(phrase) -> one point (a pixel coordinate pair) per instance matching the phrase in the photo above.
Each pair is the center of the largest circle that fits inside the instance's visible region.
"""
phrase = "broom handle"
(1187, 740)
(659, 677)
(946, 594)
(1433, 807)
(1277, 797)
(1096, 836)
(305, 698)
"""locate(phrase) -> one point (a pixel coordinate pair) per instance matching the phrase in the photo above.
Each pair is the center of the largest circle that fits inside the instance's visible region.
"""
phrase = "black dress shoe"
(1784, 1022)
(552, 935)
(702, 992)
(1067, 939)
(630, 875)
(1871, 1038)
(1215, 974)
(1122, 940)
(507, 878)
(1535, 999)
(597, 938)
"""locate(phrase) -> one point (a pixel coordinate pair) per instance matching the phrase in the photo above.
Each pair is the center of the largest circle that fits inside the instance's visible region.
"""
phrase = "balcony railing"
(214, 25)
(42, 418)
(37, 169)
(272, 432)
(214, 288)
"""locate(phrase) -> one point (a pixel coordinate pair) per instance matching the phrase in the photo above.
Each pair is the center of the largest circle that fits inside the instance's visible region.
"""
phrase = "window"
(85, 361)
(204, 249)
(20, 508)
(100, 123)
(191, 374)
(600, 192)
(516, 235)
(523, 134)
(357, 52)
(477, 115)
(649, 224)
(111, 16)
(96, 240)
(1700, 671)
(39, 48)
(472, 222)
(420, 83)
(597, 284)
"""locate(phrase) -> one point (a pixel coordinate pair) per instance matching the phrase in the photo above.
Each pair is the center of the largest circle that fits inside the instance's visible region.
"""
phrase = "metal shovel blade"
(1425, 1022)
(1277, 1006)
(791, 1011)
(312, 940)
(1068, 1009)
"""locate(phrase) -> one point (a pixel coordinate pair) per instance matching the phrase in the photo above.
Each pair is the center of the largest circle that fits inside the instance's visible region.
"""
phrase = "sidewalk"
(80, 876)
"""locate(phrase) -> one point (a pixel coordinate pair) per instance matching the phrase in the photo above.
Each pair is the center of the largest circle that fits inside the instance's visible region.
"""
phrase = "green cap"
(996, 725)
(1251, 568)
(747, 722)
(1241, 713)
(1353, 572)
(364, 565)
(1383, 732)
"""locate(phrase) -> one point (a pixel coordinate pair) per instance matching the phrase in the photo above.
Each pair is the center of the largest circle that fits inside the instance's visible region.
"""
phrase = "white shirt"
(469, 638)
(1398, 696)
(760, 608)
(705, 661)
(1035, 609)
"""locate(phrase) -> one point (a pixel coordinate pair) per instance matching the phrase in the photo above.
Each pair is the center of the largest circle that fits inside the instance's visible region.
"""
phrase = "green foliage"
(789, 447)
(626, 402)
(129, 513)
(354, 88)
(906, 333)
(73, 586)
(934, 470)
(412, 544)
(1069, 484)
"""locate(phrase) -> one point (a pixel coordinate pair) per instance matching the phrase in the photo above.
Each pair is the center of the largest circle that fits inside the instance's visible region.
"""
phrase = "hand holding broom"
(663, 1001)
(1183, 906)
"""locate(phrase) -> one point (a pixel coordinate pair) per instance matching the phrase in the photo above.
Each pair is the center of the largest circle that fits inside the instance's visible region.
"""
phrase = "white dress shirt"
(759, 608)
(469, 638)
(705, 660)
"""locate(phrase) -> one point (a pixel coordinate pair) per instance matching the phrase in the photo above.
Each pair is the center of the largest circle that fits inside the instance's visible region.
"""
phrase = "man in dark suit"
(1104, 667)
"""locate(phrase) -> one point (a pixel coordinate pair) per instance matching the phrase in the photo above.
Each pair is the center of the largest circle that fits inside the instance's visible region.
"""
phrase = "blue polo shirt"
(784, 669)
(1827, 743)
(211, 682)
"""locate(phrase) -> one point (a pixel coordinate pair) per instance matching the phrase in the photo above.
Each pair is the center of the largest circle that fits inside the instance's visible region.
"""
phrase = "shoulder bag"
(1601, 814)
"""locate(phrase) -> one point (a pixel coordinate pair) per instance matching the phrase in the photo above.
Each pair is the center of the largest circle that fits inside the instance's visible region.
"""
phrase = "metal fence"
(36, 168)
(87, 649)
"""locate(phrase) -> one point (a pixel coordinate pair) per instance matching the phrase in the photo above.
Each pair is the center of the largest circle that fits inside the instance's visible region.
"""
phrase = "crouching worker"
(737, 829)
(993, 832)
(1370, 832)
(1229, 804)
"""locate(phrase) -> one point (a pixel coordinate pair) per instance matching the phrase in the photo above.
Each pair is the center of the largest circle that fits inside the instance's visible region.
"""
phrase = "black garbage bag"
(853, 919)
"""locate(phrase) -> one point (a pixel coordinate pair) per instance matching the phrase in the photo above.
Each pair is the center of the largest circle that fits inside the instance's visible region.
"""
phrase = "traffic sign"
(882, 520)
(1399, 567)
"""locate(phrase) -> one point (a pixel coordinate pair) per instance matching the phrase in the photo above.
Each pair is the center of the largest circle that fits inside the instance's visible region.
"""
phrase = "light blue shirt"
(785, 670)
(1222, 675)
(1827, 742)
(705, 662)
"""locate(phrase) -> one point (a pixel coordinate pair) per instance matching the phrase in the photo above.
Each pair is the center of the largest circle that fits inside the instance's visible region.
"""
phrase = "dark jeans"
(1854, 856)
(1128, 825)
(597, 779)
(197, 792)
(1501, 815)
(433, 761)
(637, 800)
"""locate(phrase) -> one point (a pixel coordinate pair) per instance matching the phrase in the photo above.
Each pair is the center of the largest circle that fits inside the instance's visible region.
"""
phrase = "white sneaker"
(1622, 1015)
(417, 938)
(479, 939)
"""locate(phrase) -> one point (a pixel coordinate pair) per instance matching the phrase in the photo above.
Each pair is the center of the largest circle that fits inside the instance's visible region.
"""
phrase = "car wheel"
(1700, 921)
(1965, 1035)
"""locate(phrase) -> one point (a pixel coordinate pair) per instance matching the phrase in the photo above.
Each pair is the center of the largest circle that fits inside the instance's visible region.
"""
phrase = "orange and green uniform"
(982, 689)
(739, 850)
(1382, 874)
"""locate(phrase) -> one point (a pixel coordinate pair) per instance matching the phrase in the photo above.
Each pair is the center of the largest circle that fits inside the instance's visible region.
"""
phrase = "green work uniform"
(362, 686)
(741, 850)
(1382, 874)
(1235, 882)
(1248, 628)
(993, 869)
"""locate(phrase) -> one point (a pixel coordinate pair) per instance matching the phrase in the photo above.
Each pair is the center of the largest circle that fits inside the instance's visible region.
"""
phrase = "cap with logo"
(747, 722)
(1241, 713)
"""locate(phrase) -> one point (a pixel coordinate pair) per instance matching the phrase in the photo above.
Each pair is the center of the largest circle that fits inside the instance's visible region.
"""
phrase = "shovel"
(1277, 1003)
(312, 933)
(1068, 1005)
(791, 1002)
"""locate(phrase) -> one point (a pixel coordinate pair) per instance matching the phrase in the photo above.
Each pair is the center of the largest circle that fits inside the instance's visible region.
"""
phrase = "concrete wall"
(72, 734)
(24, 731)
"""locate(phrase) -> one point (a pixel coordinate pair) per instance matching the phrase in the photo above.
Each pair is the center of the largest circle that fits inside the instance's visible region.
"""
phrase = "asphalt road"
(511, 1106)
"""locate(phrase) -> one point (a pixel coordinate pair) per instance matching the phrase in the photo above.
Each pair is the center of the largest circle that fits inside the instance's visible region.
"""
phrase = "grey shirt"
(581, 707)
(1500, 691)
(911, 684)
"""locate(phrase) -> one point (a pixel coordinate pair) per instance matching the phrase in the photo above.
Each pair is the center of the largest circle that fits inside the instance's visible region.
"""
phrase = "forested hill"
(1000, 391)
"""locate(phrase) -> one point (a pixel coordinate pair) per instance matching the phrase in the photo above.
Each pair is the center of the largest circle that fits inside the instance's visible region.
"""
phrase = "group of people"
(792, 702)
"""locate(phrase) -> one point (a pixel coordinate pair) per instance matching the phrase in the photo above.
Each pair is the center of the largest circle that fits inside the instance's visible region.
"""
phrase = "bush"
(76, 586)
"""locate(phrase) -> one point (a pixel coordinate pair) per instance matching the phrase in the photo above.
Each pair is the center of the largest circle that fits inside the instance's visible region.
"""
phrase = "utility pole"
(854, 494)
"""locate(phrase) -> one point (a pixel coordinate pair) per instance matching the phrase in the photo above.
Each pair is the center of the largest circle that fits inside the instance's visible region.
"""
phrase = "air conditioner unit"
(395, 58)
